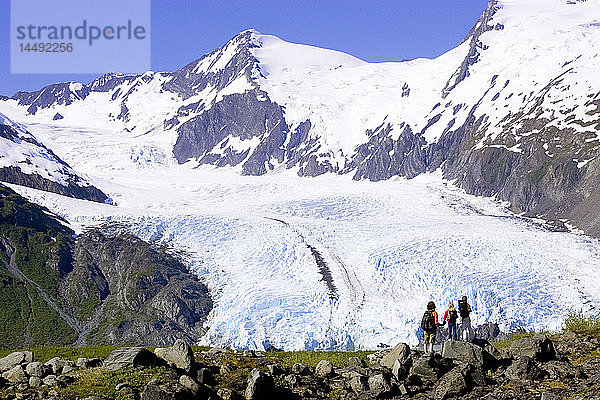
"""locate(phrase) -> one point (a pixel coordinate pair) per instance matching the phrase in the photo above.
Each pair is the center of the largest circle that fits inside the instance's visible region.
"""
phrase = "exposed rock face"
(150, 295)
(102, 288)
(21, 141)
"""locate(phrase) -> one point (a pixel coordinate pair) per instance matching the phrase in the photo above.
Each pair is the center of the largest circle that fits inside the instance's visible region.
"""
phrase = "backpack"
(452, 317)
(428, 322)
(463, 309)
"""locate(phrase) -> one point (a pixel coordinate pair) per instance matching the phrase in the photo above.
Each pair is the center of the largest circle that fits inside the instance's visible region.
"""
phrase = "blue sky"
(375, 31)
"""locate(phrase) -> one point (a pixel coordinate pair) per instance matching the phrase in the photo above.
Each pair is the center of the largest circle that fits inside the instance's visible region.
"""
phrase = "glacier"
(332, 262)
(390, 246)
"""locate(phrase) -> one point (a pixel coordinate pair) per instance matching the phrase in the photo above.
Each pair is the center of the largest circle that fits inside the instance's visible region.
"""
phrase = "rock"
(560, 370)
(14, 359)
(248, 353)
(276, 369)
(538, 347)
(16, 375)
(399, 370)
(299, 369)
(205, 376)
(452, 384)
(180, 355)
(37, 369)
(401, 353)
(229, 394)
(260, 386)
(379, 384)
(357, 362)
(375, 358)
(463, 351)
(65, 380)
(50, 380)
(428, 368)
(171, 391)
(58, 365)
(523, 369)
(324, 369)
(122, 386)
(293, 380)
(403, 389)
(35, 382)
(88, 362)
(187, 382)
(359, 383)
(130, 357)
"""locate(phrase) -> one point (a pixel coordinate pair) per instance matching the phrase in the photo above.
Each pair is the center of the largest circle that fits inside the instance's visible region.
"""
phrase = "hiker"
(429, 324)
(451, 316)
(464, 310)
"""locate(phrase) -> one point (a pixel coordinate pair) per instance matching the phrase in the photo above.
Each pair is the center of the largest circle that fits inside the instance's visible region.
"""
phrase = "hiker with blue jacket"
(429, 324)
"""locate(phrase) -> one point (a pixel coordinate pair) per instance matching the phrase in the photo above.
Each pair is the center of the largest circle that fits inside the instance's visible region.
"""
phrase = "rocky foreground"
(531, 367)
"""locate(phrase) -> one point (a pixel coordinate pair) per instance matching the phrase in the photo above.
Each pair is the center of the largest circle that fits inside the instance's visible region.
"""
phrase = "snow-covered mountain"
(27, 162)
(511, 113)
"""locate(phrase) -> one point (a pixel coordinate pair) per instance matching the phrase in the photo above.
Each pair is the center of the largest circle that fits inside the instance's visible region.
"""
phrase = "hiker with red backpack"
(429, 324)
(464, 310)
(451, 316)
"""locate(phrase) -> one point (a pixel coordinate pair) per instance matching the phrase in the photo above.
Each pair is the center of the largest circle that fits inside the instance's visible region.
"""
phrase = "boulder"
(293, 380)
(16, 375)
(130, 357)
(37, 369)
(229, 394)
(428, 368)
(375, 358)
(276, 369)
(14, 359)
(188, 383)
(50, 380)
(206, 376)
(523, 369)
(300, 369)
(357, 362)
(538, 347)
(180, 355)
(324, 369)
(560, 370)
(463, 351)
(260, 386)
(59, 365)
(171, 391)
(88, 362)
(401, 353)
(379, 384)
(359, 383)
(399, 370)
(35, 382)
(452, 384)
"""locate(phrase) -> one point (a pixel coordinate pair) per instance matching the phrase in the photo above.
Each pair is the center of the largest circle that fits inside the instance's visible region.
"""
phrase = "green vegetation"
(338, 358)
(505, 343)
(102, 383)
(583, 324)
(44, 353)
(33, 245)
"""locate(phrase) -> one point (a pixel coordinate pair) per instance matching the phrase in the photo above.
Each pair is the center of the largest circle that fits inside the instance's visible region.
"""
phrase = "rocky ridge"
(527, 367)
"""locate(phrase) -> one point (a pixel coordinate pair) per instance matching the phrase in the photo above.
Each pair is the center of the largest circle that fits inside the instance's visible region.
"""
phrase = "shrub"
(585, 324)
